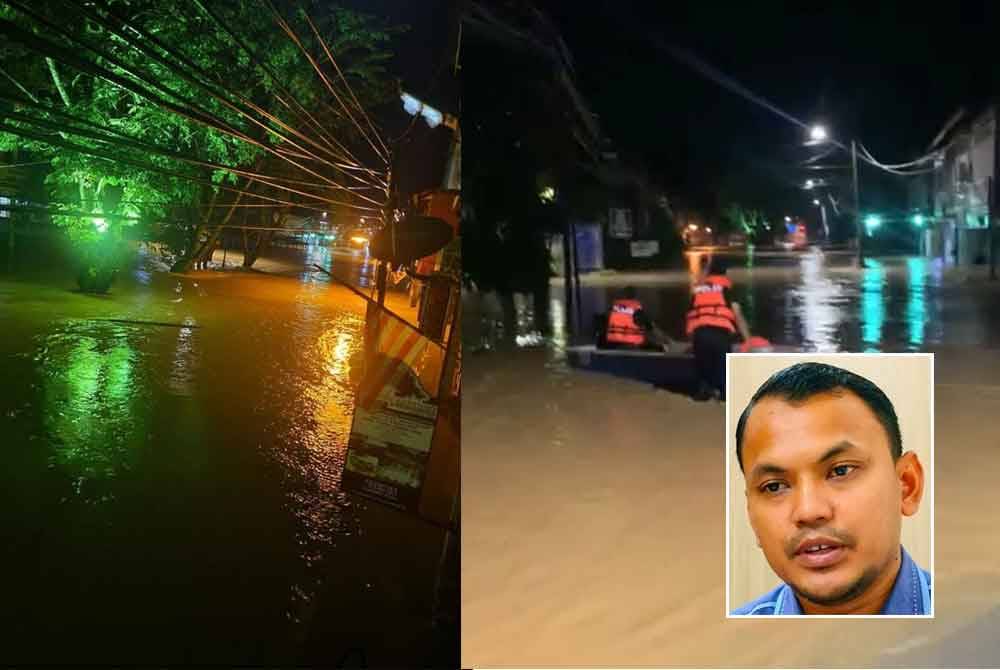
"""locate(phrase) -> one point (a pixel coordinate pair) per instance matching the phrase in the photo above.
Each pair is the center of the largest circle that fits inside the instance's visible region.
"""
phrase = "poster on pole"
(395, 413)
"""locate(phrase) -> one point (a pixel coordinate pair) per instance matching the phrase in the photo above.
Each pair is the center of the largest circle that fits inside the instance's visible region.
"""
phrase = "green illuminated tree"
(738, 219)
(157, 97)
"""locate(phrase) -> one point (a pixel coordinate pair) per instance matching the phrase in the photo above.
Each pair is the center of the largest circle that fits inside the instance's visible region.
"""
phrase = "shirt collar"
(906, 597)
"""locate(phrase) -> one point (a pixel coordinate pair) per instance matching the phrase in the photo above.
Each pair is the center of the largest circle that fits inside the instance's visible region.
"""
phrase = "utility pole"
(993, 195)
(857, 200)
(991, 212)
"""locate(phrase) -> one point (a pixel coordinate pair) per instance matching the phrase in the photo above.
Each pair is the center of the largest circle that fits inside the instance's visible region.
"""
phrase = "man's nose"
(811, 505)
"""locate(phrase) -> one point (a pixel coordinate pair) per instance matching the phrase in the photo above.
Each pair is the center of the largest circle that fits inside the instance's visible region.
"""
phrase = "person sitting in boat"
(713, 324)
(627, 325)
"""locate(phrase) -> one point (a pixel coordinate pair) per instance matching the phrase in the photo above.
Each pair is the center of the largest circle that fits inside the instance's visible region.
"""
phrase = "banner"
(395, 412)
(645, 248)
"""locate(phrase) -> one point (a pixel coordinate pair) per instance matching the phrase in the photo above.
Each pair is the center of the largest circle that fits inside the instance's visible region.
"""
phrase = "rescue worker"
(625, 320)
(713, 324)
(627, 325)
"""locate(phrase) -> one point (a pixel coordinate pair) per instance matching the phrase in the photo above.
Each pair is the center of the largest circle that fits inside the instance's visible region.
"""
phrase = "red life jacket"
(709, 306)
(622, 329)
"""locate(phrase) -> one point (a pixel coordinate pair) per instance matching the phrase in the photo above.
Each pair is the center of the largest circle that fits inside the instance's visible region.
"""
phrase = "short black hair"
(805, 380)
(718, 266)
(629, 293)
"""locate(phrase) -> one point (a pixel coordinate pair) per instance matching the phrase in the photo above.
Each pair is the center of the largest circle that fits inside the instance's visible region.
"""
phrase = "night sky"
(889, 74)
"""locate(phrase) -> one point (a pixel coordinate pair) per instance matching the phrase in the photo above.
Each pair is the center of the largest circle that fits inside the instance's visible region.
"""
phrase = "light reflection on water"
(815, 300)
(916, 306)
(872, 304)
(245, 392)
(92, 408)
(819, 300)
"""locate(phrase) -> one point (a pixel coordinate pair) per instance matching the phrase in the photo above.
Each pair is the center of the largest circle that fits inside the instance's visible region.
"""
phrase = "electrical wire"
(918, 161)
(144, 146)
(196, 114)
(867, 157)
(819, 157)
(48, 139)
(293, 36)
(691, 60)
(186, 109)
(211, 87)
(258, 61)
(347, 85)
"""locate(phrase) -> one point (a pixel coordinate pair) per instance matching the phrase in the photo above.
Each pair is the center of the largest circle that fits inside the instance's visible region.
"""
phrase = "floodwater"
(594, 507)
(171, 483)
(820, 301)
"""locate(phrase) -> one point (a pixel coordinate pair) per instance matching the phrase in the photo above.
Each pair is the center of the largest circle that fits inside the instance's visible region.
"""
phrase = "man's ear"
(910, 474)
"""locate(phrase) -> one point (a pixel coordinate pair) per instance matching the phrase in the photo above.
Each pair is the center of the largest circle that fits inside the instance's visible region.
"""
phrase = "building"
(618, 219)
(956, 195)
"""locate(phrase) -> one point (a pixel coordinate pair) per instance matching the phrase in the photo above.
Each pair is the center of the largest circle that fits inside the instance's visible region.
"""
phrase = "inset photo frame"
(830, 485)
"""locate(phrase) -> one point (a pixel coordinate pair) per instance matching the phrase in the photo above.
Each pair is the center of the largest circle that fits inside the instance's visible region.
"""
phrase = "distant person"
(713, 323)
(827, 485)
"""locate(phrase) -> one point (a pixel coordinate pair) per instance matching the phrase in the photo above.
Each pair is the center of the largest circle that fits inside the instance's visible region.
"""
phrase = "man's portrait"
(830, 501)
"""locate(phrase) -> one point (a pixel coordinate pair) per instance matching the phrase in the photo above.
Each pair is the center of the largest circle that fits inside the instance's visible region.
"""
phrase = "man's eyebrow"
(762, 469)
(837, 450)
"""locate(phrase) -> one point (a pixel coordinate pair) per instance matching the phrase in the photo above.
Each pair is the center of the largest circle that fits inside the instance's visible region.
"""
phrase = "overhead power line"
(868, 158)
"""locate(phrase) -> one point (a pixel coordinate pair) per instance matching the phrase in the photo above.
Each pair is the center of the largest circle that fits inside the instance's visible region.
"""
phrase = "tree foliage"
(739, 219)
(123, 99)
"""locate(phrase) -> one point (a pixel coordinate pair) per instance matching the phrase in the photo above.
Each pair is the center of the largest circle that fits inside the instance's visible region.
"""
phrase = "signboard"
(620, 223)
(589, 248)
(645, 248)
(396, 409)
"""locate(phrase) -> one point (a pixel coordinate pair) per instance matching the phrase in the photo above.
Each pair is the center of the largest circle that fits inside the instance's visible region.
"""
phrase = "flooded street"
(171, 481)
(594, 507)
(820, 301)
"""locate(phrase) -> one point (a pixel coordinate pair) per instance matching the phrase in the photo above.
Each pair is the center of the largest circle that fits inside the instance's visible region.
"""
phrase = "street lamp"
(872, 222)
(788, 219)
(414, 106)
(819, 135)
(815, 202)
(918, 220)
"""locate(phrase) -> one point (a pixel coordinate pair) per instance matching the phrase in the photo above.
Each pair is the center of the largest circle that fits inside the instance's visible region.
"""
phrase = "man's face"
(823, 494)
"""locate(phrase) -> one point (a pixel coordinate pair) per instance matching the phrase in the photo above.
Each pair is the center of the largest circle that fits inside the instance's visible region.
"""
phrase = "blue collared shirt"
(911, 595)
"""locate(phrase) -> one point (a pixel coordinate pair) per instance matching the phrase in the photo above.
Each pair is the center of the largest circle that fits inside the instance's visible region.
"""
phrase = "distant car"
(352, 243)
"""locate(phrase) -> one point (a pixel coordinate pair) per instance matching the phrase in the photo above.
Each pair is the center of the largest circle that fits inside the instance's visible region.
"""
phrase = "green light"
(872, 305)
(916, 305)
(918, 220)
(871, 222)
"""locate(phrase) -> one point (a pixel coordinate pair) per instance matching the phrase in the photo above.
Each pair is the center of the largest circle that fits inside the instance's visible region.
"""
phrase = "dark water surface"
(819, 301)
(170, 489)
